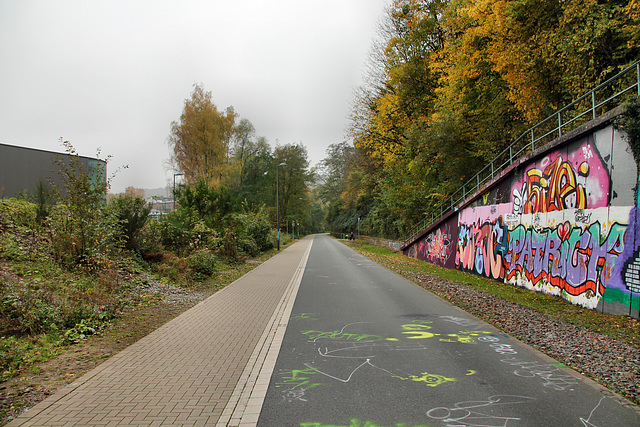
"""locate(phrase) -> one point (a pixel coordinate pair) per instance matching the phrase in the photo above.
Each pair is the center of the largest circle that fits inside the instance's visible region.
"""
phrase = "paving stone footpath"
(210, 366)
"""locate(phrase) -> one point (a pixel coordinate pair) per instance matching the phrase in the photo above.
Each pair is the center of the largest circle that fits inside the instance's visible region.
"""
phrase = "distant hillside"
(159, 192)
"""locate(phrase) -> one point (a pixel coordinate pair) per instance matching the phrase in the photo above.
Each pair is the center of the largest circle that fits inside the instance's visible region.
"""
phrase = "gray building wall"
(22, 168)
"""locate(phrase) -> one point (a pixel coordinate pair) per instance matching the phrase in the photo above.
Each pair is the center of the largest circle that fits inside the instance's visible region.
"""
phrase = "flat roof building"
(21, 168)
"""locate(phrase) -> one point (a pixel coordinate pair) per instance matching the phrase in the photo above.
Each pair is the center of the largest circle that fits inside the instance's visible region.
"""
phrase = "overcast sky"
(113, 74)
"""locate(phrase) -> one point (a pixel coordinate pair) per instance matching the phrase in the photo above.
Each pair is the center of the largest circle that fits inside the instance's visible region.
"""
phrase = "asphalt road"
(366, 348)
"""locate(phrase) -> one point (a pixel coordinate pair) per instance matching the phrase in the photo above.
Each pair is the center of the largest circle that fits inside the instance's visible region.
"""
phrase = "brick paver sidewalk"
(209, 366)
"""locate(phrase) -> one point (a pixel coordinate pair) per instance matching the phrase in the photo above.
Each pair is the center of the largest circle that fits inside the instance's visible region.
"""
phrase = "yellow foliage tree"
(200, 139)
(456, 81)
(547, 52)
(633, 29)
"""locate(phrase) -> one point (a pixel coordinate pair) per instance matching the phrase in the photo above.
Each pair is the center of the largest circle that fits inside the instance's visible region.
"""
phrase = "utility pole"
(278, 202)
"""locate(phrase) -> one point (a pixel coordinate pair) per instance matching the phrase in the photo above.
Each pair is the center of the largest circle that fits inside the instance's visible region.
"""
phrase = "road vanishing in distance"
(366, 348)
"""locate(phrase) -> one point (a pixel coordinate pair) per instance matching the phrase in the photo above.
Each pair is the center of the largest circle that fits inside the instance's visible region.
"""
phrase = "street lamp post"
(173, 196)
(298, 219)
(278, 202)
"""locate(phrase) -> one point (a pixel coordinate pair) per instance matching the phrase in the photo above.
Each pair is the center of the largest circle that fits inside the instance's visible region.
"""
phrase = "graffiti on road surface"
(552, 374)
(354, 349)
(491, 412)
(357, 423)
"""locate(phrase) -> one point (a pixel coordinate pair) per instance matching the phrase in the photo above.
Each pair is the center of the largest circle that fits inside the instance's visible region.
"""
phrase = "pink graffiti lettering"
(480, 248)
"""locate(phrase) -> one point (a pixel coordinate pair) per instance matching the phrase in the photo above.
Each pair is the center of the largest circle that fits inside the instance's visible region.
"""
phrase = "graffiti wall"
(570, 227)
(571, 253)
(482, 240)
(564, 179)
(439, 246)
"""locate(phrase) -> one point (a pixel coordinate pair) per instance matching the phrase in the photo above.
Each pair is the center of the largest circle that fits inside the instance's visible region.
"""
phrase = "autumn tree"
(200, 140)
(451, 83)
(346, 197)
(134, 192)
(391, 113)
(540, 54)
(334, 169)
(403, 95)
(251, 160)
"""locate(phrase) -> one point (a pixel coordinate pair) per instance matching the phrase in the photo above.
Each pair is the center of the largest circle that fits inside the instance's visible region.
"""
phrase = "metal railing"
(600, 100)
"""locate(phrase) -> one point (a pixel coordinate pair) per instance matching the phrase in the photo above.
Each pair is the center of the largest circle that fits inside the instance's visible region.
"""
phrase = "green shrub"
(176, 230)
(131, 214)
(86, 243)
(202, 264)
(82, 330)
(150, 244)
(205, 237)
(44, 198)
(229, 245)
(41, 304)
(258, 227)
(209, 204)
(11, 250)
(83, 232)
(249, 233)
(29, 309)
(17, 212)
(248, 246)
(172, 268)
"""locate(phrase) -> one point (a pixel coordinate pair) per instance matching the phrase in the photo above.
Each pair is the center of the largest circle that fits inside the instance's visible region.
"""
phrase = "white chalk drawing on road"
(460, 321)
(587, 422)
(366, 350)
(346, 380)
(554, 378)
(497, 346)
(485, 413)
(340, 335)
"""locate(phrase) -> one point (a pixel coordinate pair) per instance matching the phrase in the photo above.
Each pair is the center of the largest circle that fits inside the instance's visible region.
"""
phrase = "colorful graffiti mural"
(482, 239)
(559, 233)
(438, 246)
(572, 259)
(545, 252)
(623, 291)
(579, 182)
